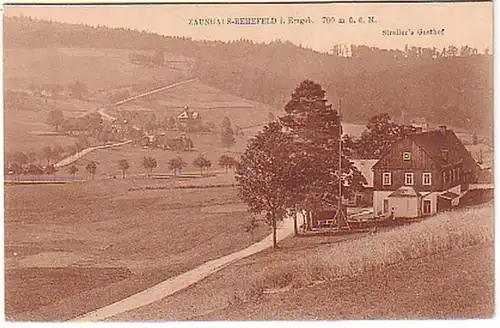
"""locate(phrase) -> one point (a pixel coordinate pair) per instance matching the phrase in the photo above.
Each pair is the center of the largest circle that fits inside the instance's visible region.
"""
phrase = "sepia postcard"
(248, 161)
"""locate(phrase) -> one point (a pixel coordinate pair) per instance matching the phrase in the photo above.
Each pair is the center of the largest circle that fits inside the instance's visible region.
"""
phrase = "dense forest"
(453, 85)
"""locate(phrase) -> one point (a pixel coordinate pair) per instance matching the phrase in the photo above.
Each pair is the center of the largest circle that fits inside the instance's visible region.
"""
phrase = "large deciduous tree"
(380, 134)
(55, 118)
(227, 133)
(123, 165)
(264, 175)
(149, 164)
(316, 129)
(202, 163)
(91, 168)
(48, 154)
(73, 169)
(176, 164)
(227, 162)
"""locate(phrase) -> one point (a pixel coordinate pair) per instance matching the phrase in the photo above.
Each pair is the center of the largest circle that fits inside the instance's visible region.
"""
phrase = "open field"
(107, 159)
(281, 284)
(110, 241)
(22, 132)
(99, 69)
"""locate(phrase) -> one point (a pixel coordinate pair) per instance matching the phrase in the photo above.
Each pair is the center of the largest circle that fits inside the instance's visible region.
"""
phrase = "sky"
(463, 23)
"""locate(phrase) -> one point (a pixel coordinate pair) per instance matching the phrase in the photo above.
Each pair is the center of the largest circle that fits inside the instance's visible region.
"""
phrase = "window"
(458, 174)
(427, 179)
(426, 207)
(386, 178)
(406, 156)
(409, 179)
(386, 205)
(444, 153)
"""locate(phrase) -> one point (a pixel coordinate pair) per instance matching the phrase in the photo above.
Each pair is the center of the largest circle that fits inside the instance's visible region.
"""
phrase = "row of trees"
(177, 164)
(33, 162)
(17, 168)
(409, 52)
(30, 170)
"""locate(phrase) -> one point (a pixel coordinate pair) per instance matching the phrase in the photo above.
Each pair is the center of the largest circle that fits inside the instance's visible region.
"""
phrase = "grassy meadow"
(99, 69)
(330, 265)
(110, 238)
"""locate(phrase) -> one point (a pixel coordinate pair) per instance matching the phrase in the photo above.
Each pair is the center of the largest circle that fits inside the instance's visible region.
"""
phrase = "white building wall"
(404, 207)
(433, 197)
(378, 201)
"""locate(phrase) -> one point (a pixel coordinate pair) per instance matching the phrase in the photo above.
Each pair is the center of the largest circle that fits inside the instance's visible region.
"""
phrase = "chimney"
(442, 129)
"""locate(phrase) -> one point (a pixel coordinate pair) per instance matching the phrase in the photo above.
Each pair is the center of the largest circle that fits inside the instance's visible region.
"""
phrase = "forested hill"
(453, 86)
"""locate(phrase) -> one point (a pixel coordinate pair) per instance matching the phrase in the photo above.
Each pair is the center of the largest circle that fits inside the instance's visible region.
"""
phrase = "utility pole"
(340, 215)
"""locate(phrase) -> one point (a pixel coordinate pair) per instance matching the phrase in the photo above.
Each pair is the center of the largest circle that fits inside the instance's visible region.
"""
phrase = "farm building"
(422, 174)
(187, 115)
(364, 197)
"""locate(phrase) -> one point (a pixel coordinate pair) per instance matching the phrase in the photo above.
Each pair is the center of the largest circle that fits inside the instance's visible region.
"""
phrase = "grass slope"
(73, 232)
(99, 69)
(456, 285)
(354, 271)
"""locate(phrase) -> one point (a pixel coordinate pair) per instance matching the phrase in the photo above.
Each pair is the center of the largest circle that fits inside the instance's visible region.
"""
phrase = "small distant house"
(422, 174)
(187, 115)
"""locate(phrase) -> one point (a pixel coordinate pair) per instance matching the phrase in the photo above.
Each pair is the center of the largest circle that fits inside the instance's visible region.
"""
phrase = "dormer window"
(406, 156)
(444, 154)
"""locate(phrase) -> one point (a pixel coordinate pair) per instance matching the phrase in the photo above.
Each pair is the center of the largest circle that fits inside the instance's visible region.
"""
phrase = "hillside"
(438, 268)
(99, 69)
(453, 86)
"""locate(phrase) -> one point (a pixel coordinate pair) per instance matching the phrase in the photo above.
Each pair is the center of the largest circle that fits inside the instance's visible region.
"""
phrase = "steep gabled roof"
(433, 142)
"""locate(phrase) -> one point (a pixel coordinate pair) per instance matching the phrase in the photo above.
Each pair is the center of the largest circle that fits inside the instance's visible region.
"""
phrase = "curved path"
(175, 284)
(73, 158)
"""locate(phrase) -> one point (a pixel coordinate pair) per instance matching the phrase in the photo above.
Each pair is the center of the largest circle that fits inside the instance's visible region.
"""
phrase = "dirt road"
(184, 280)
